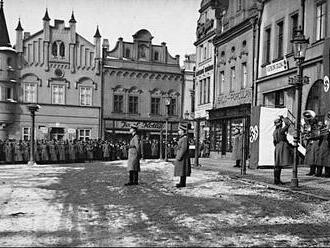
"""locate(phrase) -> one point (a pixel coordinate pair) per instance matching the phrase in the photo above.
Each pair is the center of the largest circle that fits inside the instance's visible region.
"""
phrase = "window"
(320, 21)
(86, 96)
(127, 53)
(279, 98)
(294, 27)
(156, 56)
(133, 104)
(280, 39)
(30, 92)
(205, 53)
(244, 76)
(62, 50)
(201, 91)
(172, 107)
(6, 93)
(204, 91)
(58, 94)
(208, 90)
(118, 103)
(54, 49)
(239, 5)
(232, 78)
(84, 134)
(267, 45)
(155, 105)
(26, 133)
(222, 82)
(275, 99)
(201, 51)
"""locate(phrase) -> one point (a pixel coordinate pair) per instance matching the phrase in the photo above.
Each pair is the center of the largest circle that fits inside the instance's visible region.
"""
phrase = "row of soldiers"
(317, 142)
(63, 151)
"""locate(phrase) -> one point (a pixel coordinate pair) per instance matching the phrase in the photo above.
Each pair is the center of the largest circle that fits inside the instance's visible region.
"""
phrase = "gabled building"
(138, 78)
(60, 71)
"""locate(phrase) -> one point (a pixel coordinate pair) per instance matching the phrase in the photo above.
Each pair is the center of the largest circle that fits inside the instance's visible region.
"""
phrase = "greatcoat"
(182, 159)
(237, 147)
(324, 152)
(282, 154)
(134, 154)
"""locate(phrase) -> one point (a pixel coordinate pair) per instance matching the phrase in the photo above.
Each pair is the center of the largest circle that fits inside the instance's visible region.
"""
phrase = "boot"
(182, 182)
(319, 171)
(237, 163)
(131, 178)
(275, 176)
(136, 178)
(279, 175)
(311, 170)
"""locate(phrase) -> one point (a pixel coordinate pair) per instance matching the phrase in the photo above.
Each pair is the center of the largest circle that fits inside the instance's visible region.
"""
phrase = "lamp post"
(300, 44)
(33, 108)
(167, 104)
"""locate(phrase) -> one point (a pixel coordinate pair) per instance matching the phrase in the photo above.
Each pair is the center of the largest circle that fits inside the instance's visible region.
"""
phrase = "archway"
(318, 99)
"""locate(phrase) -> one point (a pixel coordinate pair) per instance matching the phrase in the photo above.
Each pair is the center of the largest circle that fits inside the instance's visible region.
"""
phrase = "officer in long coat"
(134, 156)
(44, 152)
(237, 153)
(324, 152)
(182, 164)
(282, 154)
(52, 151)
(18, 152)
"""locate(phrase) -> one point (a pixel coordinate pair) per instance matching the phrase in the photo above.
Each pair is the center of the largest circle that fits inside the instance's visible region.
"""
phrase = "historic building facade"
(234, 45)
(280, 20)
(207, 24)
(60, 71)
(143, 84)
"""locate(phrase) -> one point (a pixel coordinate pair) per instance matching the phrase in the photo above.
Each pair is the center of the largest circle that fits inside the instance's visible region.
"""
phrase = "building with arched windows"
(138, 77)
(59, 70)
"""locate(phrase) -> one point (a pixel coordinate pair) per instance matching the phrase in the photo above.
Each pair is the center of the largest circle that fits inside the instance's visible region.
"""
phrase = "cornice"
(208, 36)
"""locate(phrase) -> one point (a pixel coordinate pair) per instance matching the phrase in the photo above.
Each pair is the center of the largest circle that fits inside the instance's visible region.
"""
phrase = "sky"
(170, 21)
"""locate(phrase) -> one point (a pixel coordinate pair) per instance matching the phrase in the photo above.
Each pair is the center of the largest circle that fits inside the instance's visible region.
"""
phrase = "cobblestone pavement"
(87, 205)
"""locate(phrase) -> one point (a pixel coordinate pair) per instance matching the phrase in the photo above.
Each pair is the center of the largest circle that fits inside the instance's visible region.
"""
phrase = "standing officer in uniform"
(134, 156)
(237, 153)
(282, 148)
(182, 161)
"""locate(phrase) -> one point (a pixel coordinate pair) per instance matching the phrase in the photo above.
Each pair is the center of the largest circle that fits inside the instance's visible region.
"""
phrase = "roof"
(4, 36)
(97, 33)
(19, 26)
(72, 20)
(46, 17)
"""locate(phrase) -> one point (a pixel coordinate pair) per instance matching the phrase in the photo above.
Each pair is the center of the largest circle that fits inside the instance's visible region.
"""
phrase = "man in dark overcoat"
(182, 164)
(134, 156)
(282, 153)
(237, 153)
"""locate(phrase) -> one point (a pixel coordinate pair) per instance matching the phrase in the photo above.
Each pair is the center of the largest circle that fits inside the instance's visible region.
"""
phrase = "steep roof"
(4, 36)
(46, 17)
(97, 33)
(19, 26)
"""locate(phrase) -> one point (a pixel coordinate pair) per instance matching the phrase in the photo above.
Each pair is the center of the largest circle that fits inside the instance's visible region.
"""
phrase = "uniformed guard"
(18, 152)
(44, 152)
(182, 161)
(282, 153)
(134, 156)
(52, 151)
(237, 153)
(325, 146)
(72, 151)
(9, 152)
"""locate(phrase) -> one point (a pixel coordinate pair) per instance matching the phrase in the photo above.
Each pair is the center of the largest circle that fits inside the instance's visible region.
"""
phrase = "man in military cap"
(134, 156)
(182, 161)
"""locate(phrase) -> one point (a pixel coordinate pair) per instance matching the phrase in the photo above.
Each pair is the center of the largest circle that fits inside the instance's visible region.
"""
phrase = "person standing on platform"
(134, 156)
(182, 164)
(282, 153)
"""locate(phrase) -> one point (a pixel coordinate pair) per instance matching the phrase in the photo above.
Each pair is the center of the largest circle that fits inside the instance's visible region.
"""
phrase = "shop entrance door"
(56, 133)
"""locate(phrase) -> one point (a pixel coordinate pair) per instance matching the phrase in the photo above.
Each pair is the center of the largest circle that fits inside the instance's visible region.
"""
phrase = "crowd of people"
(63, 151)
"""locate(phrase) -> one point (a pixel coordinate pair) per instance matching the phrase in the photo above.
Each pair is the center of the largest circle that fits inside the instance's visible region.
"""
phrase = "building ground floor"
(223, 123)
(51, 122)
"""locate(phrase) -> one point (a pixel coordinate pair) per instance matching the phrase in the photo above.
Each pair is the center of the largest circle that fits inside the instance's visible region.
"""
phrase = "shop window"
(118, 101)
(58, 94)
(54, 49)
(30, 92)
(155, 105)
(133, 105)
(172, 107)
(26, 133)
(320, 20)
(84, 134)
(62, 50)
(86, 96)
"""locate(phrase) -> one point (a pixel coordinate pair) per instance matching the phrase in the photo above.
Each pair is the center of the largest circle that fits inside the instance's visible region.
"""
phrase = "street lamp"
(167, 104)
(300, 44)
(33, 108)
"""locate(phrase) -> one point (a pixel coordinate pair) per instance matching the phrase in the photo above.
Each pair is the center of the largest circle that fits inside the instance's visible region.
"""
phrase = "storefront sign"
(141, 125)
(71, 130)
(235, 98)
(57, 124)
(276, 67)
(44, 130)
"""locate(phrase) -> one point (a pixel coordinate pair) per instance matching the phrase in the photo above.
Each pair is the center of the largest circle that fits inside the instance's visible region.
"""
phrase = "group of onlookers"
(63, 151)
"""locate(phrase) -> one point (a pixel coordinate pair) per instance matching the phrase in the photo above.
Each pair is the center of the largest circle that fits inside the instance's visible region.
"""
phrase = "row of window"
(58, 93)
(58, 48)
(141, 54)
(82, 134)
(133, 105)
(319, 33)
(205, 51)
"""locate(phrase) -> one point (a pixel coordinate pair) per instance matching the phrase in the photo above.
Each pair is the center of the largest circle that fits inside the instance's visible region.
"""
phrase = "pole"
(166, 141)
(32, 162)
(243, 167)
(196, 160)
(298, 96)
